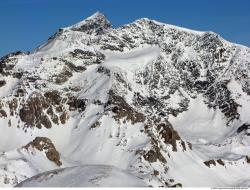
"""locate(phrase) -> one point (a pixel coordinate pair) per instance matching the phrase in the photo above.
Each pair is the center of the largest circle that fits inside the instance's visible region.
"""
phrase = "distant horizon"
(29, 23)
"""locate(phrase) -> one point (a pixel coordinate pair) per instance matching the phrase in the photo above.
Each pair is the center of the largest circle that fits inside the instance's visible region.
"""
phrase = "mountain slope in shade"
(164, 105)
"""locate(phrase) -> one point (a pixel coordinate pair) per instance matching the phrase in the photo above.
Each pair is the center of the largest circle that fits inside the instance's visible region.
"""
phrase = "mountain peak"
(97, 15)
(95, 24)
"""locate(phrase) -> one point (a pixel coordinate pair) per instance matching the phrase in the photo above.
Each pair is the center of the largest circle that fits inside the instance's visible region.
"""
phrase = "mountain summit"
(95, 24)
(150, 103)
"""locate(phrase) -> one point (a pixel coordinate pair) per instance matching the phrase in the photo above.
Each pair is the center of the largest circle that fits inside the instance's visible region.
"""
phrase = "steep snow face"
(147, 101)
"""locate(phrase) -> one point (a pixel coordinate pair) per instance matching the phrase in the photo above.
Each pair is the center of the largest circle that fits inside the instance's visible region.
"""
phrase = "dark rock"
(45, 144)
(53, 97)
(72, 67)
(119, 106)
(220, 162)
(243, 127)
(53, 116)
(3, 113)
(32, 112)
(210, 162)
(13, 106)
(104, 70)
(248, 159)
(97, 25)
(95, 125)
(17, 75)
(2, 83)
(64, 117)
(156, 173)
(63, 76)
(154, 155)
(176, 185)
(169, 135)
(76, 104)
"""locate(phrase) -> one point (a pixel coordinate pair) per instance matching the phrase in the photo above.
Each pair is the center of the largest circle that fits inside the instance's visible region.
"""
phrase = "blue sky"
(26, 24)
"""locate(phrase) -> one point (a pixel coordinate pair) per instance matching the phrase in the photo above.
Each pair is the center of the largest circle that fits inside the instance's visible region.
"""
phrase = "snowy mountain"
(149, 103)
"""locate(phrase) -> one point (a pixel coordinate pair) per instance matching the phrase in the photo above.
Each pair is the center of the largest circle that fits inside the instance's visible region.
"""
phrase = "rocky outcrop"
(76, 104)
(121, 109)
(169, 135)
(40, 110)
(209, 163)
(44, 144)
(32, 112)
(153, 155)
(213, 162)
(248, 159)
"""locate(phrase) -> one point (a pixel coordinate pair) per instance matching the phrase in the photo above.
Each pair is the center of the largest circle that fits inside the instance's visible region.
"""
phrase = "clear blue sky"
(26, 24)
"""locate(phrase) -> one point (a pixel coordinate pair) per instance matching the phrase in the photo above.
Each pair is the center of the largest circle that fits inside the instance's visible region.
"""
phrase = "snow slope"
(87, 176)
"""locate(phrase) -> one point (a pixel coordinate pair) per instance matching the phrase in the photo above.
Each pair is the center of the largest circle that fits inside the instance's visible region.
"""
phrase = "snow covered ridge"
(154, 104)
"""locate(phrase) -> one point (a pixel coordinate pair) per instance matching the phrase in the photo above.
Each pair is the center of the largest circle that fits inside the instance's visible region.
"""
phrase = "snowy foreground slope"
(87, 176)
(146, 104)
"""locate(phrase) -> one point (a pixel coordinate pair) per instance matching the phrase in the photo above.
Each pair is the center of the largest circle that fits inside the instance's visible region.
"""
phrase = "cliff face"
(166, 105)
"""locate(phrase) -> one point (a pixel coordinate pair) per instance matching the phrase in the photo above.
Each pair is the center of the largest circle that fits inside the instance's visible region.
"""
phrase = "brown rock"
(183, 146)
(2, 83)
(13, 106)
(32, 112)
(176, 185)
(156, 173)
(95, 125)
(63, 76)
(53, 116)
(76, 104)
(220, 162)
(64, 117)
(46, 145)
(53, 97)
(210, 162)
(248, 159)
(3, 113)
(154, 155)
(119, 106)
(169, 135)
(190, 145)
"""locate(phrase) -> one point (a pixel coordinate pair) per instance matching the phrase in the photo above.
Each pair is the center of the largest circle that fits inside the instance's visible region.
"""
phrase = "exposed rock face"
(41, 110)
(76, 104)
(32, 112)
(169, 135)
(213, 162)
(244, 128)
(63, 76)
(53, 97)
(46, 145)
(220, 162)
(122, 110)
(154, 155)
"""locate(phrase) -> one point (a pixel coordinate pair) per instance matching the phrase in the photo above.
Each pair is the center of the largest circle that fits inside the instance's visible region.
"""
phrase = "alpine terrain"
(146, 104)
